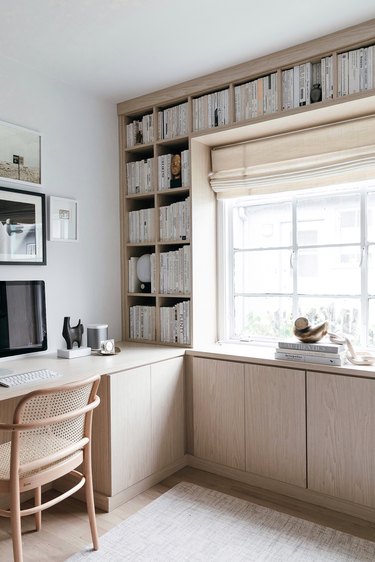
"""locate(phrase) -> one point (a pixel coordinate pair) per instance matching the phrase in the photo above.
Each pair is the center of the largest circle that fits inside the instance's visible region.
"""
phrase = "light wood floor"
(65, 527)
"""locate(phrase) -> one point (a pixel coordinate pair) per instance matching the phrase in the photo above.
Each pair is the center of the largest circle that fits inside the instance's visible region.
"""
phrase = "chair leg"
(38, 514)
(89, 493)
(15, 521)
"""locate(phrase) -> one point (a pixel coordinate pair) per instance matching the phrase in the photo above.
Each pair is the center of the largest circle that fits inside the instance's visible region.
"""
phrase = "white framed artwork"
(63, 219)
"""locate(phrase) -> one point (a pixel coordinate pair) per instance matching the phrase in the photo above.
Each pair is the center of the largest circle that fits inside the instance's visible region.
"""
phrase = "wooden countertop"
(131, 355)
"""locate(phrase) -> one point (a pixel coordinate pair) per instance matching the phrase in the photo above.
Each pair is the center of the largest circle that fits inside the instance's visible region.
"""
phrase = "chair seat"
(33, 448)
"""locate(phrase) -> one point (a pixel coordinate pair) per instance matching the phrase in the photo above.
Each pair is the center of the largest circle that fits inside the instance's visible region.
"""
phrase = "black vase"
(316, 93)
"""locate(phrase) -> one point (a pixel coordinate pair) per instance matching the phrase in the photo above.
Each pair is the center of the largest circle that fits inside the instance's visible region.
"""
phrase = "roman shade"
(313, 157)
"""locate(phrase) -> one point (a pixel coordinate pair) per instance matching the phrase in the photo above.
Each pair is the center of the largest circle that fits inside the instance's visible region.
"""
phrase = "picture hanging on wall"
(22, 227)
(63, 219)
(19, 155)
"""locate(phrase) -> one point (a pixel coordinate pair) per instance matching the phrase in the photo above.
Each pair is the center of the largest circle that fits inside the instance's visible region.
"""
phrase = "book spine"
(338, 355)
(311, 347)
(336, 361)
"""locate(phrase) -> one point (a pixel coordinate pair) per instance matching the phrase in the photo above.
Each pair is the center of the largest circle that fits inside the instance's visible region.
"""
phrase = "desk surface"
(131, 356)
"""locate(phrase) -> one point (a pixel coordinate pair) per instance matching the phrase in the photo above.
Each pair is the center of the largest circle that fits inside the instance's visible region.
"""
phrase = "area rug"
(191, 523)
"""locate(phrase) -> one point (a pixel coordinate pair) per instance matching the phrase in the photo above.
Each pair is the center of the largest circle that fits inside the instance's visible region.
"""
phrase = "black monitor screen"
(23, 324)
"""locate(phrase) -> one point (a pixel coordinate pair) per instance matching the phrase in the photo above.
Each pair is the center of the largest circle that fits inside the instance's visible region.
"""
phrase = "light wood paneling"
(218, 412)
(101, 441)
(275, 428)
(167, 405)
(130, 427)
(340, 437)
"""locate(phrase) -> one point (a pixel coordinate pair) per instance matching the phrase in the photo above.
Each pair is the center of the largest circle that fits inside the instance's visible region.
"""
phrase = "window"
(307, 254)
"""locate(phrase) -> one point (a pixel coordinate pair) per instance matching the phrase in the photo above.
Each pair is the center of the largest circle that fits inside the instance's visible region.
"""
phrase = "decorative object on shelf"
(72, 334)
(22, 227)
(144, 273)
(176, 170)
(354, 357)
(303, 330)
(20, 154)
(96, 334)
(107, 347)
(63, 219)
(316, 93)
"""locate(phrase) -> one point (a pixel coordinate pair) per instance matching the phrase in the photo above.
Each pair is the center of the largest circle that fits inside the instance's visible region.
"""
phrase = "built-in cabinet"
(275, 441)
(319, 82)
(286, 429)
(250, 417)
(340, 437)
(219, 412)
(139, 429)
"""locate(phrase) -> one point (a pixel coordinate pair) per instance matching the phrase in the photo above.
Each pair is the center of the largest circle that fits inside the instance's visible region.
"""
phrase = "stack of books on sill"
(323, 352)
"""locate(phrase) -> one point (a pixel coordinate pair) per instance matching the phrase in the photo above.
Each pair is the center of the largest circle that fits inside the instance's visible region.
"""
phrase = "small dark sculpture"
(72, 334)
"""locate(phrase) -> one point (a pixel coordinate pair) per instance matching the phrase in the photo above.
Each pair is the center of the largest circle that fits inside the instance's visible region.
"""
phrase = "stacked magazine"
(323, 352)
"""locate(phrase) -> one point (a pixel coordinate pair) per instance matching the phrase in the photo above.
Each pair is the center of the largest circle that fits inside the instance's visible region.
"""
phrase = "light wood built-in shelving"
(214, 110)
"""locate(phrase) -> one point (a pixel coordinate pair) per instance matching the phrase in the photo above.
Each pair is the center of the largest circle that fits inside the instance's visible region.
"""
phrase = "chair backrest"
(51, 424)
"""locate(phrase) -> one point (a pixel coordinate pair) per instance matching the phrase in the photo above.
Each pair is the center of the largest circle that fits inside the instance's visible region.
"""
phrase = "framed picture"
(19, 155)
(22, 227)
(63, 219)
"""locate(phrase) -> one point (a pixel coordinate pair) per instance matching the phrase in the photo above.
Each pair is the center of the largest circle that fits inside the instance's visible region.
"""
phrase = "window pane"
(371, 217)
(328, 220)
(268, 316)
(262, 226)
(371, 323)
(371, 270)
(329, 271)
(342, 314)
(263, 271)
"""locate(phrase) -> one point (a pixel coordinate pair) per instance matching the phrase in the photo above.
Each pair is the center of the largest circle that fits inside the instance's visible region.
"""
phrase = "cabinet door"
(167, 412)
(218, 411)
(275, 427)
(340, 438)
(130, 427)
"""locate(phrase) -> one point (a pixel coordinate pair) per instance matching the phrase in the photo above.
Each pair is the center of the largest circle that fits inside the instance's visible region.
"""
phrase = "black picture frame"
(22, 227)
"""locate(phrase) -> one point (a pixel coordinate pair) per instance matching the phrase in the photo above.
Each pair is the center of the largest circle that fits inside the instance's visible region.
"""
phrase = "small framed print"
(22, 227)
(63, 225)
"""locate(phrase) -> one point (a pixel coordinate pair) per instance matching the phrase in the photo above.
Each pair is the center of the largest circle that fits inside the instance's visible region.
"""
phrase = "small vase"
(316, 93)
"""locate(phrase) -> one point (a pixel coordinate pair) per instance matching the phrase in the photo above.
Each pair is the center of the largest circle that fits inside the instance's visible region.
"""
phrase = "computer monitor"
(23, 323)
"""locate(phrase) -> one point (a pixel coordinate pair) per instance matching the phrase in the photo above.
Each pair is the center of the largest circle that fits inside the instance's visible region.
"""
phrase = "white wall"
(79, 161)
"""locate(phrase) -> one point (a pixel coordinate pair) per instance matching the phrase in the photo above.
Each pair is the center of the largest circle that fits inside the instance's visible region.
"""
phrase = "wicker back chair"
(50, 437)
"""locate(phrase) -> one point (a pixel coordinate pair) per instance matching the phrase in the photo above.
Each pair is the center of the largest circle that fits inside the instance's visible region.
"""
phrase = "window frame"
(226, 252)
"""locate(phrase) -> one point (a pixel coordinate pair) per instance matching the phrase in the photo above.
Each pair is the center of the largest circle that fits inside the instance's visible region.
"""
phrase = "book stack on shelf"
(211, 110)
(355, 71)
(256, 98)
(175, 323)
(142, 322)
(175, 221)
(297, 82)
(323, 352)
(165, 172)
(175, 271)
(140, 131)
(139, 176)
(173, 121)
(141, 226)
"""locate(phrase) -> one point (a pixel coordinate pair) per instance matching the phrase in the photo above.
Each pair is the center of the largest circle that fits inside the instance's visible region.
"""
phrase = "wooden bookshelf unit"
(249, 100)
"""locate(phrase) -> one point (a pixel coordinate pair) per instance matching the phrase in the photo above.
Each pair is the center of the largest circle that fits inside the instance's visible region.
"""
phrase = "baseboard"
(299, 493)
(108, 503)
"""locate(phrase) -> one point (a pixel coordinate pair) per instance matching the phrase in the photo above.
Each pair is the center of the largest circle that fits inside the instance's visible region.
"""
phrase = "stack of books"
(323, 352)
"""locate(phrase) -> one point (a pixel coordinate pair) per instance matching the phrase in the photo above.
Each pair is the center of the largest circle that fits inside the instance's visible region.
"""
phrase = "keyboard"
(31, 376)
